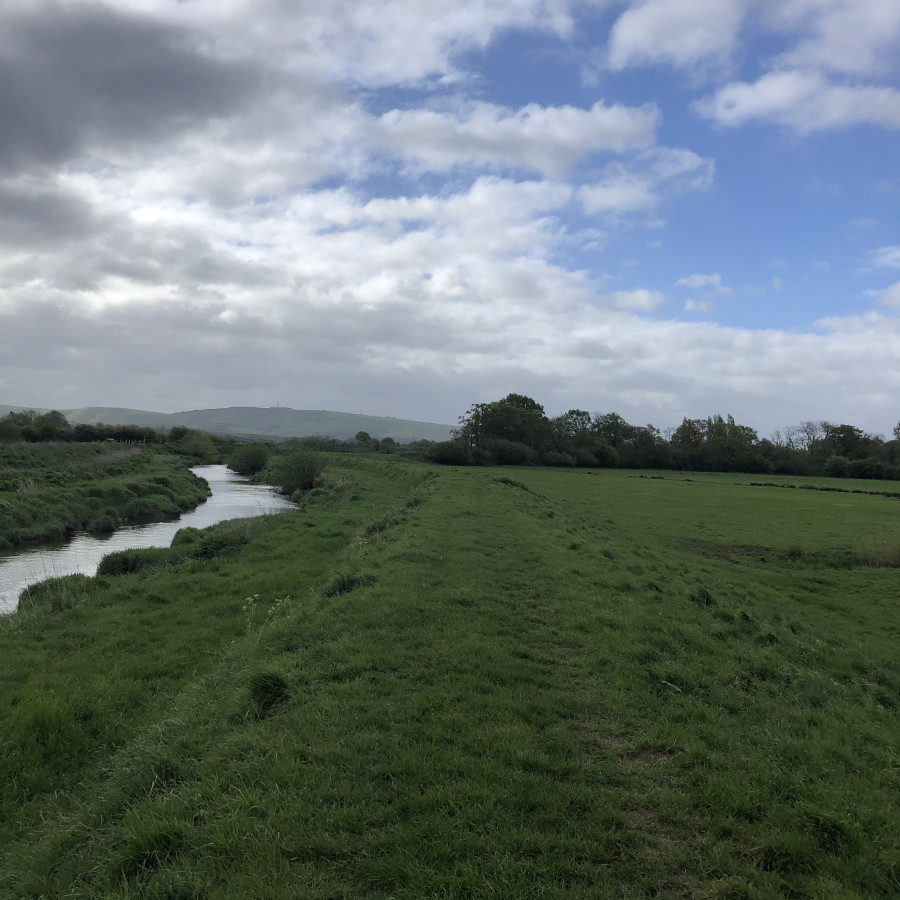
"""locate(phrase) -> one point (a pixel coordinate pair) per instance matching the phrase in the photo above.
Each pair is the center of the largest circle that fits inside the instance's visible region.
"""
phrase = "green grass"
(460, 684)
(50, 490)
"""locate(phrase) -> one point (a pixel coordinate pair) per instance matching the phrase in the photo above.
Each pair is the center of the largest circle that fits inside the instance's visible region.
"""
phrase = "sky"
(662, 208)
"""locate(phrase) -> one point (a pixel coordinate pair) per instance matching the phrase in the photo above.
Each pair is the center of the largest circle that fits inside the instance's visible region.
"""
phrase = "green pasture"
(470, 683)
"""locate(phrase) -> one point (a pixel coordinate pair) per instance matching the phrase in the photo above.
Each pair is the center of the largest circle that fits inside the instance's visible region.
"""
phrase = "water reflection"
(232, 498)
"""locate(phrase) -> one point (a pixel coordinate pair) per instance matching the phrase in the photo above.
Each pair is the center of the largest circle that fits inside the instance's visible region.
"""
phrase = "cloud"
(824, 78)
(803, 101)
(318, 204)
(713, 282)
(886, 257)
(641, 185)
(679, 32)
(75, 74)
(548, 140)
(639, 300)
(890, 296)
(853, 37)
(777, 283)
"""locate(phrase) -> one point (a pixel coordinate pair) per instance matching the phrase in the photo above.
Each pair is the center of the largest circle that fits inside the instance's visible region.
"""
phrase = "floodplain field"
(437, 682)
(50, 490)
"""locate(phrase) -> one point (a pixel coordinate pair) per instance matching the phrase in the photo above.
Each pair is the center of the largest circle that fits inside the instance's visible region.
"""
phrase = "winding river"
(232, 497)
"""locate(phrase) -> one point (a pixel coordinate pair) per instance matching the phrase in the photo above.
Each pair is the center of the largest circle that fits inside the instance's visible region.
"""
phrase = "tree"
(612, 428)
(515, 418)
(363, 437)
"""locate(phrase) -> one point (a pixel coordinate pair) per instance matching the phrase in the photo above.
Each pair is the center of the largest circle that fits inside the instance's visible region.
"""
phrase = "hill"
(280, 421)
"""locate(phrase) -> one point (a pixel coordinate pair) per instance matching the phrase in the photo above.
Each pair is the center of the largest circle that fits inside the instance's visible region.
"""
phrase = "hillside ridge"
(277, 421)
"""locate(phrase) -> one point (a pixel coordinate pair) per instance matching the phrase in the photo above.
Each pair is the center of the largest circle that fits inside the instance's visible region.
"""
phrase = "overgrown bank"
(558, 684)
(50, 490)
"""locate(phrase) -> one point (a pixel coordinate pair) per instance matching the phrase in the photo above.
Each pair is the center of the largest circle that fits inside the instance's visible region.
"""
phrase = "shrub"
(188, 535)
(512, 453)
(102, 525)
(295, 470)
(449, 453)
(871, 467)
(838, 467)
(248, 459)
(553, 458)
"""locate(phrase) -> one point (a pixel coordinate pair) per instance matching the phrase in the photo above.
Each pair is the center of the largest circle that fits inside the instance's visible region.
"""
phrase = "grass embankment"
(485, 683)
(48, 491)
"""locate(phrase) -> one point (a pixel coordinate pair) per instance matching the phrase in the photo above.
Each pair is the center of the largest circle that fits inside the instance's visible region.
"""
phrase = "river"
(232, 497)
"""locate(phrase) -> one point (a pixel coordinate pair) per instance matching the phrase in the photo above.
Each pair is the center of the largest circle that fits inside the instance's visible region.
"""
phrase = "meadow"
(50, 490)
(466, 683)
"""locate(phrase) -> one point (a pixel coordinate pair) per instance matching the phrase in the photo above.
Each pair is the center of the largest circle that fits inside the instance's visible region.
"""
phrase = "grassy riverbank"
(469, 683)
(50, 490)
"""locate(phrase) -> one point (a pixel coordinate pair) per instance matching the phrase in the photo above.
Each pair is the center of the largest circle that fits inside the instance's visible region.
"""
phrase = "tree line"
(517, 431)
(27, 425)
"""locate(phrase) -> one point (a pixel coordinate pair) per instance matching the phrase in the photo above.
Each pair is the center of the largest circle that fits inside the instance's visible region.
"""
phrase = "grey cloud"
(71, 75)
(36, 216)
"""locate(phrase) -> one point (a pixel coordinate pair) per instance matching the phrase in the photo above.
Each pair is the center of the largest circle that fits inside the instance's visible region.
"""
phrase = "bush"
(838, 467)
(295, 470)
(248, 459)
(553, 458)
(102, 525)
(188, 535)
(512, 453)
(871, 467)
(449, 453)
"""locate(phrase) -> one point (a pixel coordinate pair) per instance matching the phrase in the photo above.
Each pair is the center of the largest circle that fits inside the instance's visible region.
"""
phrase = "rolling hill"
(280, 422)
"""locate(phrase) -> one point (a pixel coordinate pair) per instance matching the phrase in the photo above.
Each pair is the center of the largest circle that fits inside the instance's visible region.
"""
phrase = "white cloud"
(887, 257)
(680, 32)
(639, 300)
(698, 306)
(642, 184)
(713, 282)
(549, 140)
(623, 192)
(777, 283)
(804, 101)
(890, 296)
(853, 37)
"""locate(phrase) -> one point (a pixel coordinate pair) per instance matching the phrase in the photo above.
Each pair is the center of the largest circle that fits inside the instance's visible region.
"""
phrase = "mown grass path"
(472, 683)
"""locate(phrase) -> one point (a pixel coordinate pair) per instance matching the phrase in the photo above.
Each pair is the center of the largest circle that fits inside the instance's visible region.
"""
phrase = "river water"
(232, 497)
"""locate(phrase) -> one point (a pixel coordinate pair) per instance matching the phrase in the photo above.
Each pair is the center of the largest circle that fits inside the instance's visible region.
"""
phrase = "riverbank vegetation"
(555, 683)
(49, 490)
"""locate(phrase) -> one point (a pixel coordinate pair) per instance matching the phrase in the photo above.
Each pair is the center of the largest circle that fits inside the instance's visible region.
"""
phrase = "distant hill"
(6, 410)
(280, 422)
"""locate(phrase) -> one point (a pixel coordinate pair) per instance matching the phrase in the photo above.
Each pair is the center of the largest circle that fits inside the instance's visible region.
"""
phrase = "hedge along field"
(48, 491)
(471, 683)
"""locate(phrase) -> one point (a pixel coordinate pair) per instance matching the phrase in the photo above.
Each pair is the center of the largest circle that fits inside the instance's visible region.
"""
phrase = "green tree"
(515, 418)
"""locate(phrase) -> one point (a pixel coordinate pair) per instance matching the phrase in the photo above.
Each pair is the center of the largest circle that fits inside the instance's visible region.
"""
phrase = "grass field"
(504, 683)
(50, 490)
